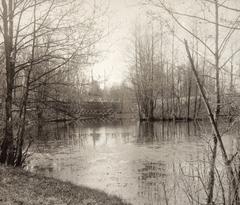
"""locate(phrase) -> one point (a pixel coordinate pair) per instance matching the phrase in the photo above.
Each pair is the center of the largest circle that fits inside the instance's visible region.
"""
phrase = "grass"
(19, 187)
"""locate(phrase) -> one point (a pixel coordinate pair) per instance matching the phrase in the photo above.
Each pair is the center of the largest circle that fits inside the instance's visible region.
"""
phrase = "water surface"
(138, 162)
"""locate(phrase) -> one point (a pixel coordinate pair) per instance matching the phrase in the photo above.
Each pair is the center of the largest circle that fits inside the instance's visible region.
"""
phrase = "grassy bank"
(18, 187)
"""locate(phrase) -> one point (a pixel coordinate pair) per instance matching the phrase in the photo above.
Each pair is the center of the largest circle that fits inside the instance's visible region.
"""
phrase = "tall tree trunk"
(196, 88)
(162, 73)
(21, 129)
(173, 86)
(7, 146)
(23, 111)
(189, 94)
(203, 79)
(178, 95)
(216, 135)
(217, 110)
(151, 100)
(167, 96)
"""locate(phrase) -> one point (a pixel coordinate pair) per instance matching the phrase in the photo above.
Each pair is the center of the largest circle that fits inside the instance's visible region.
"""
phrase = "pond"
(137, 161)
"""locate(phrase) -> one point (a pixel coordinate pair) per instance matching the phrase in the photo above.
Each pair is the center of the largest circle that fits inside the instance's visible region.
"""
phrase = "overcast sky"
(123, 15)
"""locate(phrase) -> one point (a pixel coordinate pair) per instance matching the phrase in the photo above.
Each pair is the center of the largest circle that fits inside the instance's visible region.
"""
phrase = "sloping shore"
(19, 187)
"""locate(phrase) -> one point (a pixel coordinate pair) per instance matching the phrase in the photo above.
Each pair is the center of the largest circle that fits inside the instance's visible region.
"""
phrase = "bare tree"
(147, 73)
(225, 28)
(38, 52)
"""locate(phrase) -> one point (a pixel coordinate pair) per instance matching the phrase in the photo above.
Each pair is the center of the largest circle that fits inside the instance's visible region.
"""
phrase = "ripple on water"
(131, 161)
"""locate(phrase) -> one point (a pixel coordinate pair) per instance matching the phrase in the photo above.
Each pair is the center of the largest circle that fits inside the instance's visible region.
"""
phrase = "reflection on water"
(132, 160)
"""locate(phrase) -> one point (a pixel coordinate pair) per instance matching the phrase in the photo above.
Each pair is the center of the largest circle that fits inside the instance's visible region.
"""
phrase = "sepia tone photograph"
(119, 102)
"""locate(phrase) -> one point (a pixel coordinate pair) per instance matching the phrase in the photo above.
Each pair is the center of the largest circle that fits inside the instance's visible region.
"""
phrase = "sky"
(113, 59)
(122, 16)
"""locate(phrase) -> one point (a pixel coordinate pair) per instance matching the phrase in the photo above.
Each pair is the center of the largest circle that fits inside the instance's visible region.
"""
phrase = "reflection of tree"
(146, 132)
(166, 131)
(125, 136)
(152, 171)
(150, 180)
(95, 136)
